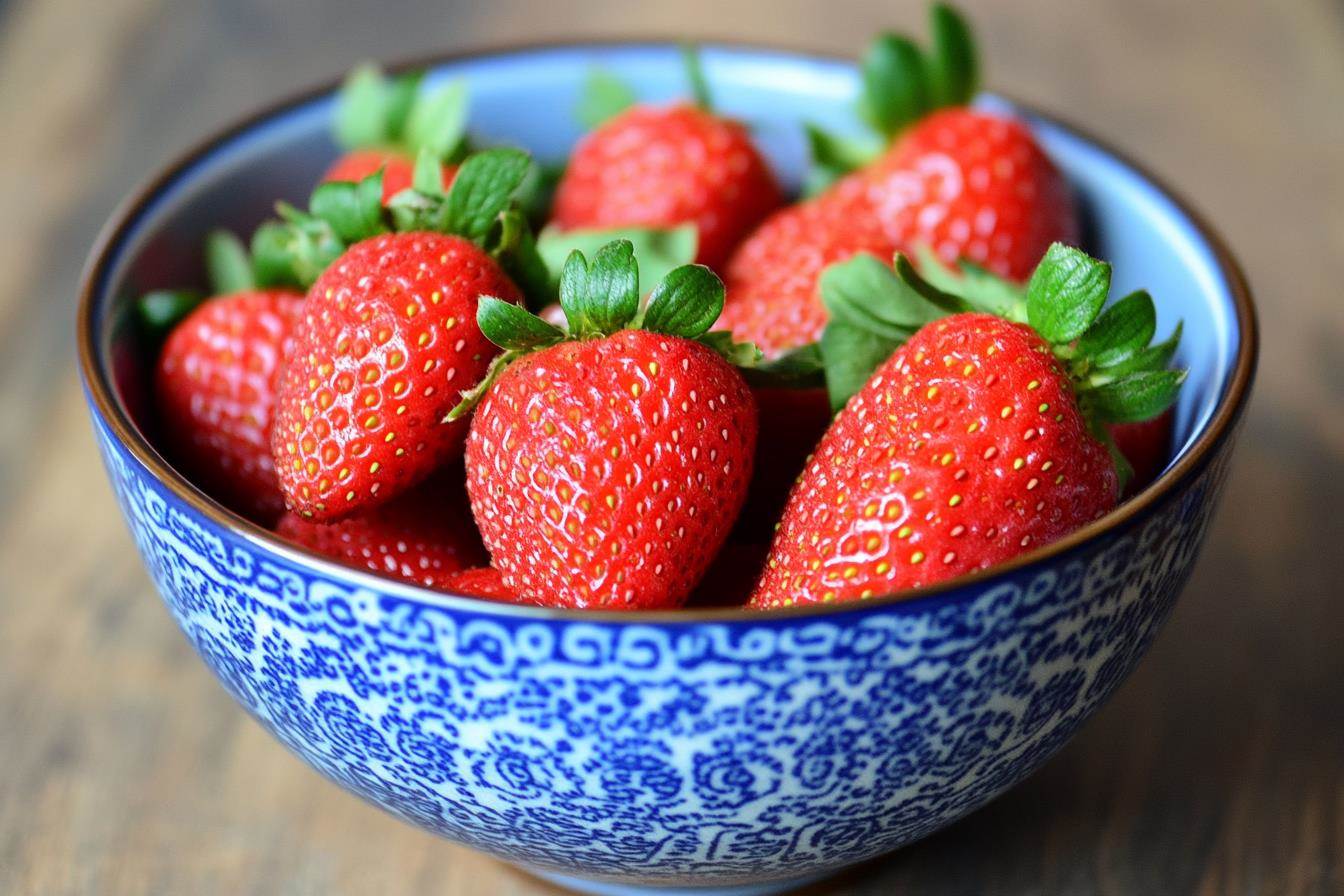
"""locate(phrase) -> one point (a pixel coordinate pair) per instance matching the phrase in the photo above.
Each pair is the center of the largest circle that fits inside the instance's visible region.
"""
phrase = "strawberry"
(388, 338)
(606, 463)
(422, 537)
(216, 377)
(663, 166)
(215, 391)
(978, 439)
(962, 182)
(386, 124)
(482, 581)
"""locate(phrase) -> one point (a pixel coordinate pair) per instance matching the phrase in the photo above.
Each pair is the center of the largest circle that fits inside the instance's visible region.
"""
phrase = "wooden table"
(125, 769)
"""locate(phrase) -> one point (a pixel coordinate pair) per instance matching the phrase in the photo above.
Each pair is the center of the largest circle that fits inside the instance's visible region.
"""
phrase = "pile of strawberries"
(409, 378)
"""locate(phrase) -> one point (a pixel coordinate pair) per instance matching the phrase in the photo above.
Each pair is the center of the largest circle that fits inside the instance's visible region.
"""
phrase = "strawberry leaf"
(952, 67)
(427, 177)
(744, 355)
(161, 310)
(354, 211)
(361, 109)
(1123, 329)
(514, 328)
(437, 121)
(695, 77)
(516, 251)
(401, 95)
(604, 97)
(272, 259)
(865, 293)
(611, 297)
(482, 189)
(1154, 357)
(1139, 396)
(1065, 293)
(895, 89)
(945, 301)
(537, 191)
(659, 250)
(685, 303)
(227, 264)
(981, 289)
(799, 368)
(834, 156)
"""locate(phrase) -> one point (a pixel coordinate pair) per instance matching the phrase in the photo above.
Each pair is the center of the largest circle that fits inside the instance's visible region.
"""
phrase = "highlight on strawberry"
(983, 436)
(608, 459)
(387, 124)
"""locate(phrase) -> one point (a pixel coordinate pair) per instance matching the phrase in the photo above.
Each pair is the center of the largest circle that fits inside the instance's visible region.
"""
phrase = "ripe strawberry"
(422, 537)
(660, 167)
(386, 124)
(389, 340)
(398, 170)
(972, 185)
(606, 472)
(482, 581)
(215, 392)
(964, 183)
(772, 278)
(974, 442)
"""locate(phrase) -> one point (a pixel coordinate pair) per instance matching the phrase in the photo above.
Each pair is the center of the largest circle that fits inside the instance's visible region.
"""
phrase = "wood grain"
(1218, 768)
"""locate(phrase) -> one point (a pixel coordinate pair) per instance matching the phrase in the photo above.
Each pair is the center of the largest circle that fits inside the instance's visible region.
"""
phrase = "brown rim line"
(1219, 426)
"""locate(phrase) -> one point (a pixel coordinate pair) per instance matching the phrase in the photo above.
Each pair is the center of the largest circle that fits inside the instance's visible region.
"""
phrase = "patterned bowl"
(712, 750)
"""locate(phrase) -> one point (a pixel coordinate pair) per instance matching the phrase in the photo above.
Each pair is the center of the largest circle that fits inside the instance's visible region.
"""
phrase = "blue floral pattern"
(711, 752)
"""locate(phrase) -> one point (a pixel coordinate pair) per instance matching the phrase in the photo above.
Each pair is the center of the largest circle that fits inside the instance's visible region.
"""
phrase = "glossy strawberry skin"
(483, 581)
(964, 449)
(972, 185)
(772, 297)
(422, 537)
(387, 343)
(661, 166)
(606, 473)
(215, 390)
(398, 169)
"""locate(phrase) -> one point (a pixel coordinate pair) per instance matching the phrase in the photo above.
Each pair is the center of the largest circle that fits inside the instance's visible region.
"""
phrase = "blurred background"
(1218, 768)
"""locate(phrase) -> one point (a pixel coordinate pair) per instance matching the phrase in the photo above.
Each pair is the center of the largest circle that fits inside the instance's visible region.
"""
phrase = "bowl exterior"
(704, 752)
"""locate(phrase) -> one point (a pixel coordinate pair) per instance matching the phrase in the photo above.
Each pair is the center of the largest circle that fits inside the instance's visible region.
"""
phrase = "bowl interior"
(527, 97)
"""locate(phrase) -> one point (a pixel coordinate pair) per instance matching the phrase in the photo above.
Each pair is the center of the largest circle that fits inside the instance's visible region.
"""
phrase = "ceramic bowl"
(711, 750)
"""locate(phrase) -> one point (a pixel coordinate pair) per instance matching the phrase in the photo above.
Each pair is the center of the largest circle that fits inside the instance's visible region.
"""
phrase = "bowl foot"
(605, 888)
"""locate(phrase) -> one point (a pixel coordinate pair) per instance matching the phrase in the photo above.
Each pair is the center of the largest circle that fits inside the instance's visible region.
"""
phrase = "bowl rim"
(97, 380)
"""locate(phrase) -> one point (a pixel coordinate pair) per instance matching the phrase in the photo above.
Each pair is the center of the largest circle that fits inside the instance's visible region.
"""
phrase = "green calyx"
(1118, 374)
(480, 205)
(901, 83)
(602, 297)
(606, 96)
(375, 111)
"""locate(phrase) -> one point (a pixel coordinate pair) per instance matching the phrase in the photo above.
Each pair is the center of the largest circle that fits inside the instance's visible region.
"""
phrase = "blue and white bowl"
(713, 750)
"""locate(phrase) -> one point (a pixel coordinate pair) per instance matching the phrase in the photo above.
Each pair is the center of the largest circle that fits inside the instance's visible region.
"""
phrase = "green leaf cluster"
(375, 111)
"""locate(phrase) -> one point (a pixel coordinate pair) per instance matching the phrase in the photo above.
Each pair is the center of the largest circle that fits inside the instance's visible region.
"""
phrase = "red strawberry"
(976, 186)
(1146, 445)
(964, 183)
(656, 166)
(606, 472)
(387, 343)
(385, 124)
(971, 444)
(215, 389)
(482, 581)
(398, 169)
(422, 537)
(773, 298)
